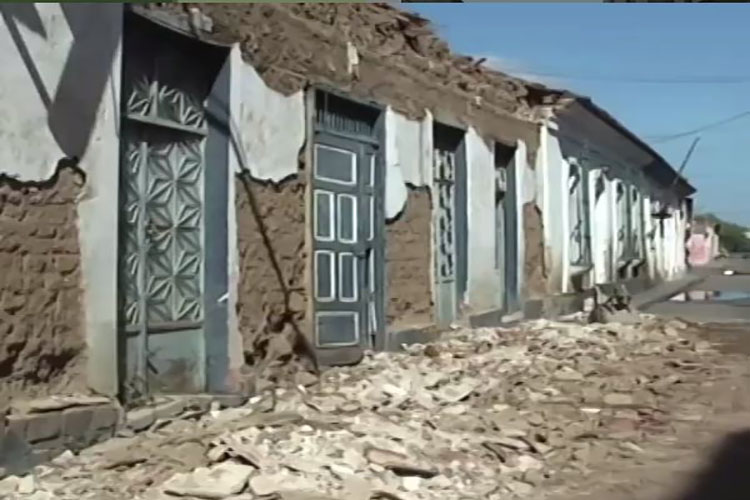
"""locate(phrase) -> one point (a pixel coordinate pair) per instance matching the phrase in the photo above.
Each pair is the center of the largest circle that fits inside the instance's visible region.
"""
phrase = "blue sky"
(605, 51)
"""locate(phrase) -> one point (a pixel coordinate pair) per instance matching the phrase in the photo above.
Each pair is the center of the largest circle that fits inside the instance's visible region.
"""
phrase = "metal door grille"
(444, 180)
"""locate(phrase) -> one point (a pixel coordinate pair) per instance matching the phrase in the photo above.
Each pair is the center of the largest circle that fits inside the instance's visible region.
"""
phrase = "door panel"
(341, 173)
(162, 275)
(348, 225)
(166, 81)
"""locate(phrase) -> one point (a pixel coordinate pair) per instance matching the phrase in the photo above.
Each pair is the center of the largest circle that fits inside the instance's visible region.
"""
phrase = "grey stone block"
(17, 425)
(170, 409)
(487, 319)
(99, 435)
(230, 400)
(200, 402)
(140, 418)
(76, 423)
(396, 339)
(105, 417)
(533, 309)
(55, 444)
(44, 426)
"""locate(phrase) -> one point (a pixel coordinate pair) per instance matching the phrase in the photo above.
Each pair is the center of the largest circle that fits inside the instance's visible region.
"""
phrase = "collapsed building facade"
(181, 185)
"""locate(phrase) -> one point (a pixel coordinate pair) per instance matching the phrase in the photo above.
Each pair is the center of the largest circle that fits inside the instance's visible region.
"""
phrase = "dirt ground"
(702, 458)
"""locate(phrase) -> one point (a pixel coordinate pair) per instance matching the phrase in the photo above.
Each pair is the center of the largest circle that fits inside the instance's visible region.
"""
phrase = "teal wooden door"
(162, 214)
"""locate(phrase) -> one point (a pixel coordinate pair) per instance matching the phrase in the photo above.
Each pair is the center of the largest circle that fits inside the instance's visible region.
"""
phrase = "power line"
(659, 139)
(691, 80)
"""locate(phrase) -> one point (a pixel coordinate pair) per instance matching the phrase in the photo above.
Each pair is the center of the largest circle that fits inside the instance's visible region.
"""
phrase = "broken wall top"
(402, 62)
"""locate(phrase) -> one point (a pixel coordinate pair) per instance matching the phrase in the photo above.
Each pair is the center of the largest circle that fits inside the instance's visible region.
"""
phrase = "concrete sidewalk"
(666, 290)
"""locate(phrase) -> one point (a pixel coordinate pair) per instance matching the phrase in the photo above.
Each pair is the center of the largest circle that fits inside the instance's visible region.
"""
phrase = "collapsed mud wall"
(42, 339)
(272, 258)
(374, 51)
(408, 254)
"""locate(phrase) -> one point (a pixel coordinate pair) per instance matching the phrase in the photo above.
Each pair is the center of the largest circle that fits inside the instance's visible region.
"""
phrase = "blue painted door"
(162, 245)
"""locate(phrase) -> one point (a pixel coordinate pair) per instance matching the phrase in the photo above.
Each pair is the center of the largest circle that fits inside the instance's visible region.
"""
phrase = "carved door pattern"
(162, 254)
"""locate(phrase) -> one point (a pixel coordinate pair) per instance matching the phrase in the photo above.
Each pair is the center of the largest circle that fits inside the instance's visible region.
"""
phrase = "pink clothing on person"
(699, 249)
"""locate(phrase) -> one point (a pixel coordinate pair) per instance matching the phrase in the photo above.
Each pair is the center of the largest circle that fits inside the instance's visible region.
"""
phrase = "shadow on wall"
(726, 475)
(275, 322)
(72, 106)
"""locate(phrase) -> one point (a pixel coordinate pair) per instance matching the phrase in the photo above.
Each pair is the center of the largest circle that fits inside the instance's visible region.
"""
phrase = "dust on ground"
(547, 410)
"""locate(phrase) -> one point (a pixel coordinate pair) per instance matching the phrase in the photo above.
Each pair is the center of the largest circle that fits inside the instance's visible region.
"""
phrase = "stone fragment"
(9, 486)
(40, 495)
(357, 488)
(412, 483)
(618, 399)
(140, 418)
(398, 463)
(57, 403)
(266, 484)
(27, 485)
(217, 482)
(568, 375)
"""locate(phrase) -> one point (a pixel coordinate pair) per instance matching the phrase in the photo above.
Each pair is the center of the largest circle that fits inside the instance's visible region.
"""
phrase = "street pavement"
(728, 300)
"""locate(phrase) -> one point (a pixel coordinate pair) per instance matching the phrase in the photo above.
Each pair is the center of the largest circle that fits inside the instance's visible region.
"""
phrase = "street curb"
(664, 291)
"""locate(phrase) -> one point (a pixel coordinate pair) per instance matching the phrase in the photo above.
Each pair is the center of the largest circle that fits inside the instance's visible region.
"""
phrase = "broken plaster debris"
(482, 413)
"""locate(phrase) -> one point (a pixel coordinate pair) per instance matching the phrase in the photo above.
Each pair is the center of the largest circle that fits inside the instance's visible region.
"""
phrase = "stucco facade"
(633, 221)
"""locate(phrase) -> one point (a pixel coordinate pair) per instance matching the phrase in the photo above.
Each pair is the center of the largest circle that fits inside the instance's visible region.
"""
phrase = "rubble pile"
(484, 413)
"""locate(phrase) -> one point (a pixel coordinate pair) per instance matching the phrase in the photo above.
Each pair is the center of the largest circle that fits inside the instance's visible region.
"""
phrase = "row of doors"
(173, 199)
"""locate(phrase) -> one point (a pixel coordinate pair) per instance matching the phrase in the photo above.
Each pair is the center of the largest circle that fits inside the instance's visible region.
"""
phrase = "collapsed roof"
(402, 63)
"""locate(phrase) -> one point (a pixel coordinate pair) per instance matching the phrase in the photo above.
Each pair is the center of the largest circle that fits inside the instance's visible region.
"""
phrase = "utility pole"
(684, 162)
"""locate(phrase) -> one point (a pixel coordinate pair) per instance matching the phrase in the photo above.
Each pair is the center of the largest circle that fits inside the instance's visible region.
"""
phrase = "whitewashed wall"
(409, 156)
(267, 133)
(59, 97)
(552, 189)
(602, 230)
(484, 284)
(664, 261)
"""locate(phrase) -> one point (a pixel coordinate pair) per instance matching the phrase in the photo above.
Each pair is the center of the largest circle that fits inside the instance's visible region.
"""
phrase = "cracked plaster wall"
(47, 112)
(559, 146)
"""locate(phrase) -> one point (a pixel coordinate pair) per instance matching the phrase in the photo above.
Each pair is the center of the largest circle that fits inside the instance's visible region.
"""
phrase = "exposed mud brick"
(534, 270)
(41, 314)
(408, 263)
(271, 265)
(401, 61)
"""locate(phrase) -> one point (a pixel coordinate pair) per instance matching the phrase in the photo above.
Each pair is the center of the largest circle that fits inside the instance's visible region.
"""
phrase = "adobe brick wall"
(35, 431)
(535, 277)
(260, 300)
(45, 434)
(41, 313)
(408, 249)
